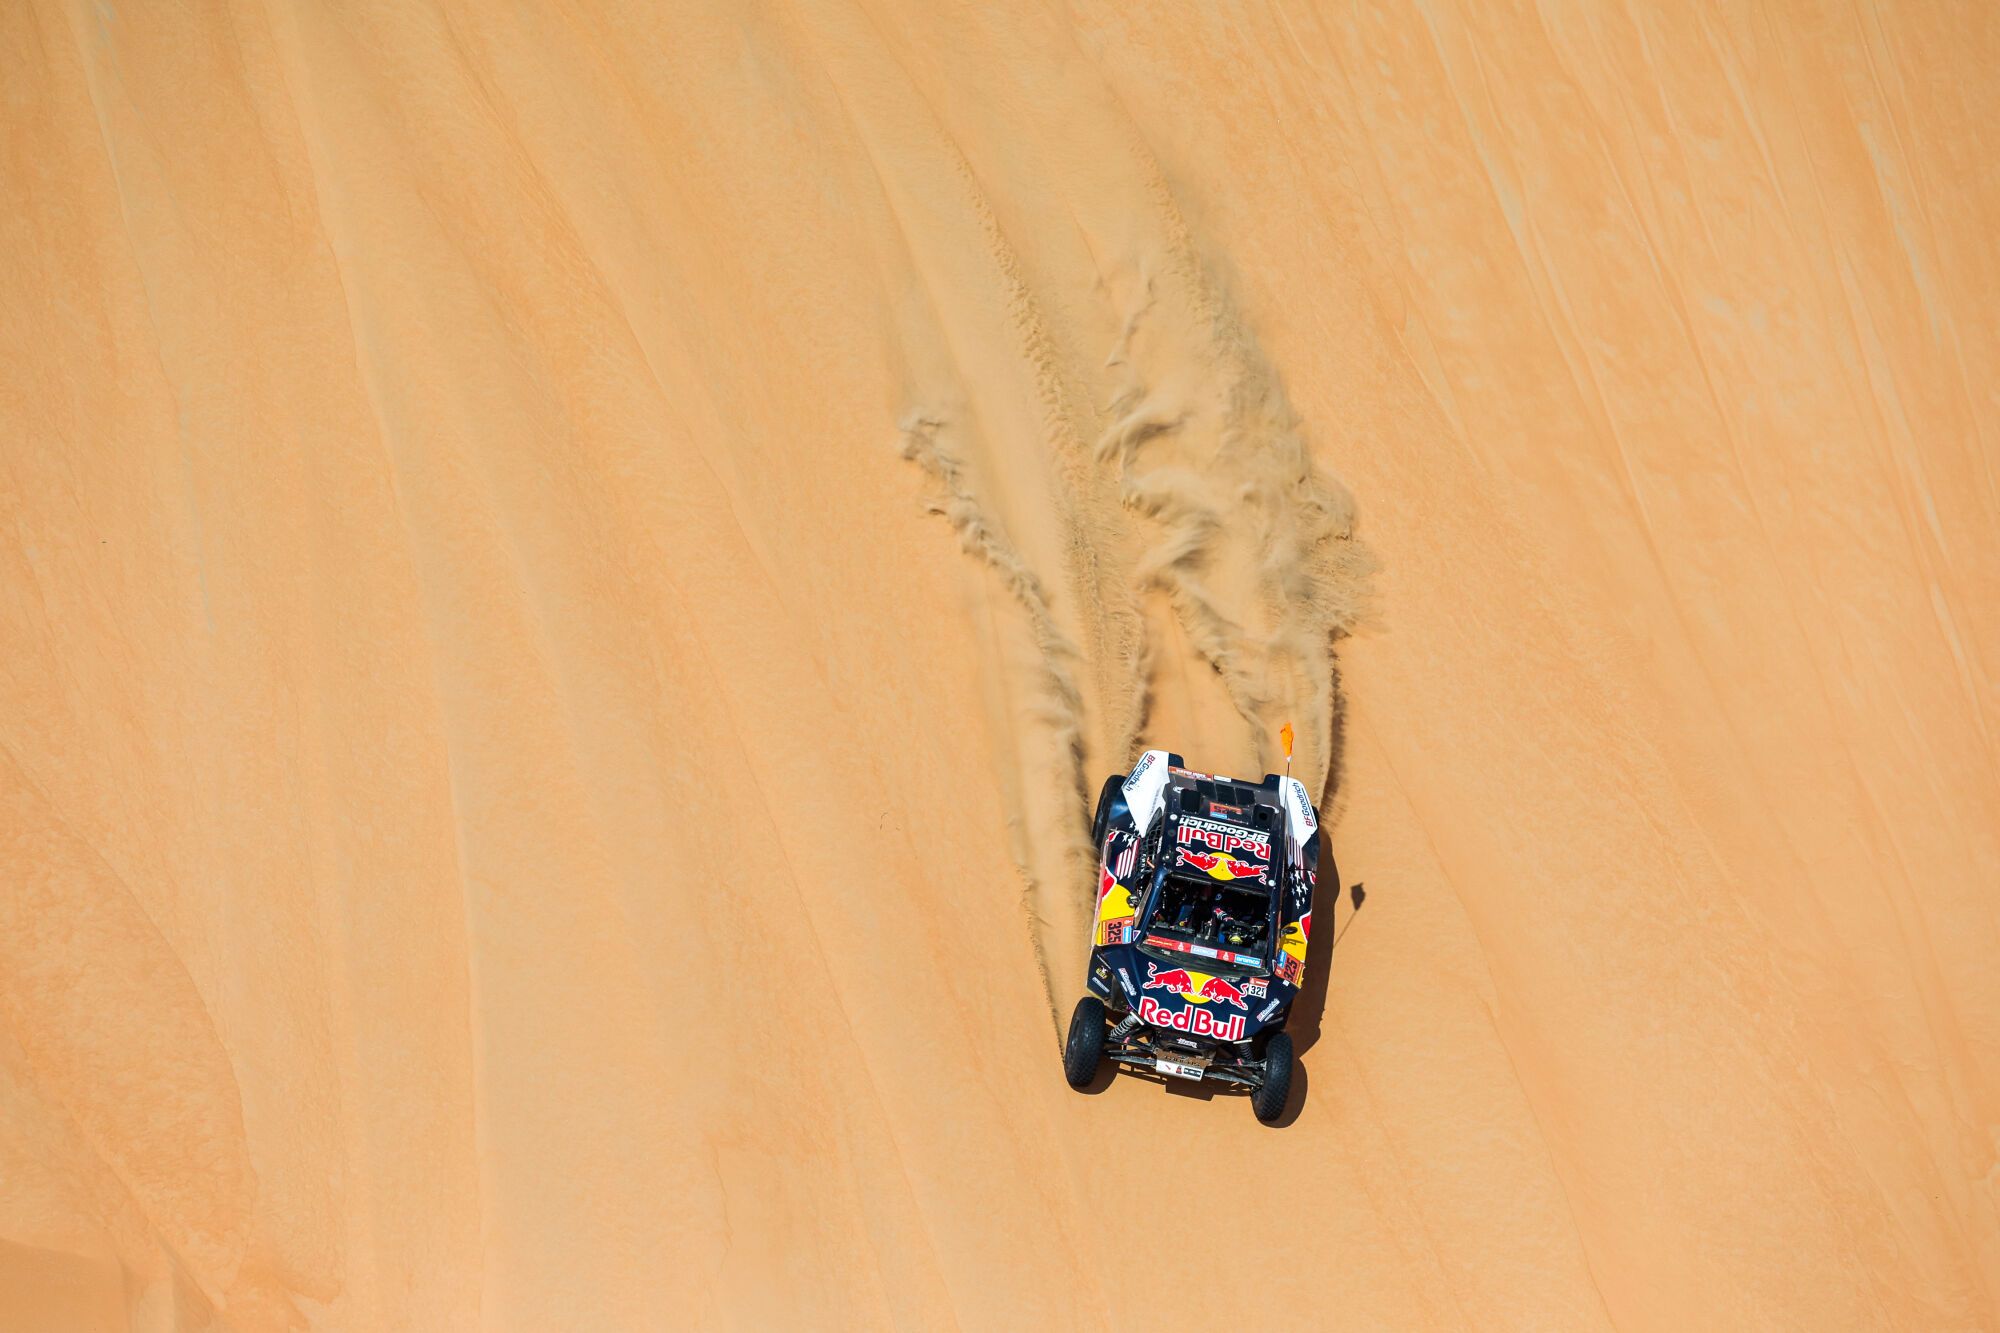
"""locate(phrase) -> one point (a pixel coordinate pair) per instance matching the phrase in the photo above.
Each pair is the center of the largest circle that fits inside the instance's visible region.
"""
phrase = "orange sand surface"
(569, 570)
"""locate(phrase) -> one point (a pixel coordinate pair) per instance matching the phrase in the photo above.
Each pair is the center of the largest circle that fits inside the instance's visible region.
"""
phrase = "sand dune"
(570, 572)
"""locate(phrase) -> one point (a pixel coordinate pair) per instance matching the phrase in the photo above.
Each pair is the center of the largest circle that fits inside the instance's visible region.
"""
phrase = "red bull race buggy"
(1198, 947)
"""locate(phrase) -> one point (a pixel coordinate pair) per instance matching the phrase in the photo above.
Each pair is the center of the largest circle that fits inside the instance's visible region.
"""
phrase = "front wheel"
(1085, 1047)
(1269, 1100)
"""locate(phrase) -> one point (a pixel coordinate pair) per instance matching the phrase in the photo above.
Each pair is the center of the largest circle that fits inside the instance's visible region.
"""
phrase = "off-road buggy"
(1198, 945)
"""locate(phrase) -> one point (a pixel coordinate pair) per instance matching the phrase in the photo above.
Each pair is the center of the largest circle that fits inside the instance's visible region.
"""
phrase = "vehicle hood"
(1202, 1005)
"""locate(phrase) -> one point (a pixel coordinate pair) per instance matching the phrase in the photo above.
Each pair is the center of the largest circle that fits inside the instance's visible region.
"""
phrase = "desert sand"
(570, 570)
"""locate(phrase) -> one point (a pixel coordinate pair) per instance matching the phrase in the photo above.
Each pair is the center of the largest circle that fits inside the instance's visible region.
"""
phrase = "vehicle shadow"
(1107, 1069)
(1201, 1092)
(1328, 930)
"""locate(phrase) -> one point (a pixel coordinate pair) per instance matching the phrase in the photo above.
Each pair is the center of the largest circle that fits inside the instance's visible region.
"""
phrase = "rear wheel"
(1268, 1101)
(1103, 816)
(1085, 1047)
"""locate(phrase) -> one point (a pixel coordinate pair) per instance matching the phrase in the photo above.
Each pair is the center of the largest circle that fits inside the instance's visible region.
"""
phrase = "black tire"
(1085, 1048)
(1103, 816)
(1268, 1101)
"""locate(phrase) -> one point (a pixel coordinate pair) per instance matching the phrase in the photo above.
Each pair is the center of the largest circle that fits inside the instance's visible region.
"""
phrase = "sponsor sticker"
(1305, 809)
(1203, 951)
(1256, 986)
(1224, 838)
(1264, 1014)
(1195, 1022)
(1143, 787)
(1115, 909)
(1125, 980)
(1292, 946)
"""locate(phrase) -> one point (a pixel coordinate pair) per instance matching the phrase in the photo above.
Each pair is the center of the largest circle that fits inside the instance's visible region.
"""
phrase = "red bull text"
(1194, 1022)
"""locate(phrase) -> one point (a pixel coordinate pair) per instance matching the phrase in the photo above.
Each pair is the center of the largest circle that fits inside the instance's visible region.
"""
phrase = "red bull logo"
(1217, 866)
(1194, 1022)
(1194, 987)
(1217, 988)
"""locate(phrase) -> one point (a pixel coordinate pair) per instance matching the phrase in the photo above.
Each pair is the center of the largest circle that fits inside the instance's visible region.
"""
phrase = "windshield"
(1218, 923)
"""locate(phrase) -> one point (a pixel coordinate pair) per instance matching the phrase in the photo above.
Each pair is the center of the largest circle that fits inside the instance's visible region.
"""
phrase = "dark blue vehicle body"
(1205, 891)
